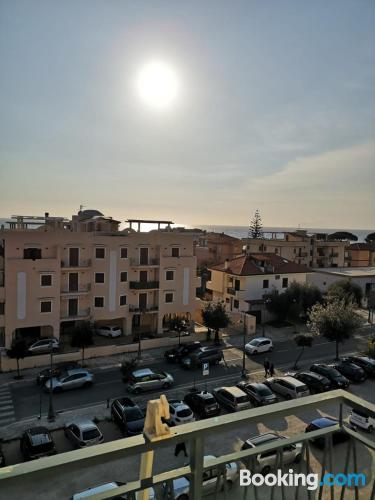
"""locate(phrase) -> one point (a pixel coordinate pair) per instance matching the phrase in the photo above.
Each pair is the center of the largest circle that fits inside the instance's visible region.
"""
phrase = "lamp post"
(265, 302)
(51, 413)
(244, 372)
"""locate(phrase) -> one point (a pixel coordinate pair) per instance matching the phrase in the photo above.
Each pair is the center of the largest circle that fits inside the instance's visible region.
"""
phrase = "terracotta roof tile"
(260, 263)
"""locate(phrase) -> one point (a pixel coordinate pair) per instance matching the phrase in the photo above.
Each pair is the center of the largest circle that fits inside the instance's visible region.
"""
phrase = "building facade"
(213, 248)
(63, 272)
(360, 255)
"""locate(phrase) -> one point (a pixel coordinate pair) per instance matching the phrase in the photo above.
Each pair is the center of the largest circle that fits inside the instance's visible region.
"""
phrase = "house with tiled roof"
(243, 282)
(360, 255)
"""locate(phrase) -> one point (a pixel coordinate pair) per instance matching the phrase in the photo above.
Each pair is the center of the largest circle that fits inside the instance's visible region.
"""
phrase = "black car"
(322, 423)
(202, 403)
(2, 458)
(176, 354)
(259, 394)
(315, 382)
(364, 362)
(351, 371)
(210, 355)
(338, 381)
(57, 370)
(128, 416)
(37, 442)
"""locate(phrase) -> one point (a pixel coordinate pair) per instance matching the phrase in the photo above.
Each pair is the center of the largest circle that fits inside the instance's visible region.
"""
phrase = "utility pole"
(51, 413)
(244, 373)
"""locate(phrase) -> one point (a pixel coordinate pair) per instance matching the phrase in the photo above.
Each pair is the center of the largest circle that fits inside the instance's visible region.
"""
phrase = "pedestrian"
(266, 365)
(272, 370)
(180, 447)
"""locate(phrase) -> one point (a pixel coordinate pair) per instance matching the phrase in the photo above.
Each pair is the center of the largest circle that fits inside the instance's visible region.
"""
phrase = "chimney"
(226, 264)
(46, 215)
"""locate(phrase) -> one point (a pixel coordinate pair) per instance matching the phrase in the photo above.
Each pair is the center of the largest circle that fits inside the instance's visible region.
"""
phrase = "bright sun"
(157, 85)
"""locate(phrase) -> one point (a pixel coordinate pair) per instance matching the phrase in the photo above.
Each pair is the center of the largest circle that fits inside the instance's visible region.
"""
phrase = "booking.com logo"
(310, 481)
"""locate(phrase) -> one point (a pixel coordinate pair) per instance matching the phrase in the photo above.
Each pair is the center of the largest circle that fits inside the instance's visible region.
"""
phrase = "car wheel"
(86, 385)
(255, 351)
(137, 390)
(265, 470)
(57, 390)
(270, 349)
(288, 397)
(298, 458)
(166, 385)
(370, 429)
(183, 497)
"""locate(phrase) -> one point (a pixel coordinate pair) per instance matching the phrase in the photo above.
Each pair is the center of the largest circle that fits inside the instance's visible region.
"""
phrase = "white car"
(109, 331)
(289, 387)
(259, 344)
(103, 488)
(44, 346)
(181, 485)
(359, 418)
(83, 432)
(180, 413)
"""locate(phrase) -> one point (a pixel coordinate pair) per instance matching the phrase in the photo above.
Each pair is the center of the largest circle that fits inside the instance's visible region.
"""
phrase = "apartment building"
(64, 271)
(212, 248)
(360, 255)
(243, 281)
(312, 250)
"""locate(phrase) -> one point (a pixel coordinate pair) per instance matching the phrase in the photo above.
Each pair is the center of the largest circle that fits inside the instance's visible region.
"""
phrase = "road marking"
(7, 415)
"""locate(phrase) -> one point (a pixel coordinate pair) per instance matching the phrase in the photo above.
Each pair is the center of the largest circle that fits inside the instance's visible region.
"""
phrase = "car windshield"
(210, 401)
(264, 391)
(242, 399)
(186, 412)
(254, 342)
(301, 388)
(133, 414)
(90, 434)
(333, 372)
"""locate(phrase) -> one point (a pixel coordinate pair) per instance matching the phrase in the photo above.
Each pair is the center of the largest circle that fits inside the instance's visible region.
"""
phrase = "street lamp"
(244, 371)
(51, 413)
(265, 302)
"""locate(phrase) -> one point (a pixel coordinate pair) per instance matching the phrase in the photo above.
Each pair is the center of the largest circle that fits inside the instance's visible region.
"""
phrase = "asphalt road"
(27, 396)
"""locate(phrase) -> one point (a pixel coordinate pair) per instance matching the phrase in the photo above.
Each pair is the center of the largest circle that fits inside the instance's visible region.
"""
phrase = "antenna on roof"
(81, 207)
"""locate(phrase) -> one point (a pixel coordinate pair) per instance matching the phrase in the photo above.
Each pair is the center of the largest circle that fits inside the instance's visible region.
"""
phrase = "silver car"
(148, 380)
(43, 346)
(83, 432)
(71, 379)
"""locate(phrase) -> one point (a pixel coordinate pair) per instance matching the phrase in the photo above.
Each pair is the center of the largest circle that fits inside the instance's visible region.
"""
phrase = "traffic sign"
(206, 368)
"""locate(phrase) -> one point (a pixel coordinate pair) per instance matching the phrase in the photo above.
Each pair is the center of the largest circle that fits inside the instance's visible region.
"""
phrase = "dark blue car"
(322, 423)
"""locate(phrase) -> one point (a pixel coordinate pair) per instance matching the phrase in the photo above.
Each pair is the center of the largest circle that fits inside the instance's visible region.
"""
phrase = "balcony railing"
(82, 263)
(37, 473)
(334, 254)
(144, 263)
(81, 314)
(80, 290)
(143, 285)
(137, 309)
(231, 291)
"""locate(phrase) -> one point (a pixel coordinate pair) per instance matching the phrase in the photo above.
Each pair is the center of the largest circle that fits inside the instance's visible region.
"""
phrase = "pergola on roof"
(148, 221)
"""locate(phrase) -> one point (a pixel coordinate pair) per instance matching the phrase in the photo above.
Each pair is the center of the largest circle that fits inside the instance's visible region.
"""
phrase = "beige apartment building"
(64, 271)
(212, 248)
(312, 250)
(360, 255)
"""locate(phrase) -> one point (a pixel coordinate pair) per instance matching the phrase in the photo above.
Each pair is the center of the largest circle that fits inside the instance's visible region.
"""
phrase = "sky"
(275, 110)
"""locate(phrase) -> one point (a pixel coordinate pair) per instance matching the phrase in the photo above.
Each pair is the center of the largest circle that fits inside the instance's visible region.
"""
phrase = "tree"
(342, 236)
(370, 238)
(278, 305)
(178, 325)
(82, 337)
(347, 291)
(302, 341)
(256, 227)
(215, 317)
(18, 350)
(300, 299)
(127, 367)
(336, 321)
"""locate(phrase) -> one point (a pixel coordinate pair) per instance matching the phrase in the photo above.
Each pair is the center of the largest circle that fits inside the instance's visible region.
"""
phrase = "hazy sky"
(275, 110)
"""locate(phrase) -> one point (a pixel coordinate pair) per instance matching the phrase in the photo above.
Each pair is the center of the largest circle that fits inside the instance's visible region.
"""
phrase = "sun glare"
(157, 85)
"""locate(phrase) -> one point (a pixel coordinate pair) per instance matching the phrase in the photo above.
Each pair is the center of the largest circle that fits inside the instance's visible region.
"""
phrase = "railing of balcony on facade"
(149, 262)
(80, 289)
(82, 313)
(37, 474)
(81, 263)
(143, 285)
(137, 309)
(231, 291)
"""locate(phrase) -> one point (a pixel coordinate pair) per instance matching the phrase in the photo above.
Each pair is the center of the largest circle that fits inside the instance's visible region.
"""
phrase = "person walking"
(180, 447)
(266, 365)
(272, 370)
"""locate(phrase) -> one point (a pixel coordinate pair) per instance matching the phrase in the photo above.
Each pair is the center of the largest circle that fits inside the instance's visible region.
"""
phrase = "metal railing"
(82, 313)
(149, 262)
(143, 285)
(38, 473)
(80, 289)
(137, 309)
(231, 291)
(82, 263)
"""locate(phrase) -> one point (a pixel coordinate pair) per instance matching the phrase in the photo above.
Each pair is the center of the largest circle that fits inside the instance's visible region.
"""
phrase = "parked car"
(321, 423)
(181, 486)
(338, 381)
(71, 379)
(359, 418)
(264, 462)
(259, 394)
(259, 344)
(232, 398)
(176, 354)
(44, 346)
(95, 490)
(83, 432)
(148, 380)
(56, 371)
(2, 458)
(128, 416)
(109, 331)
(351, 371)
(289, 387)
(37, 442)
(209, 355)
(180, 413)
(202, 403)
(315, 383)
(364, 362)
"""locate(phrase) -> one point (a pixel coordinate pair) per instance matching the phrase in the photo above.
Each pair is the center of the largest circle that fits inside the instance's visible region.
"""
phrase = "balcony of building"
(150, 262)
(144, 285)
(231, 291)
(74, 291)
(73, 470)
(80, 314)
(133, 308)
(80, 264)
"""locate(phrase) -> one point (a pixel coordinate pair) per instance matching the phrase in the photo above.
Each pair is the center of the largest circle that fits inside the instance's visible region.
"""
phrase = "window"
(32, 253)
(2, 308)
(99, 301)
(169, 298)
(285, 282)
(2, 336)
(46, 280)
(265, 283)
(169, 275)
(122, 300)
(99, 277)
(237, 285)
(277, 276)
(123, 276)
(236, 304)
(124, 253)
(175, 252)
(99, 253)
(46, 306)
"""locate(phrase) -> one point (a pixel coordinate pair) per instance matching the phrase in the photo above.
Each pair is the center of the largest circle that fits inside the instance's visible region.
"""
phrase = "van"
(358, 418)
(232, 398)
(289, 387)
